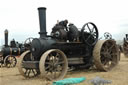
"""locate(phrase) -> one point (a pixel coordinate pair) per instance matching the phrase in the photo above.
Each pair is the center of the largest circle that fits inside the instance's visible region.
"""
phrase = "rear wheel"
(106, 55)
(53, 64)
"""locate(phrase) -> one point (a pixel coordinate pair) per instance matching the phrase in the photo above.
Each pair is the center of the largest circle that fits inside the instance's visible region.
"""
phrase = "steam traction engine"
(51, 55)
(125, 46)
(8, 52)
(107, 35)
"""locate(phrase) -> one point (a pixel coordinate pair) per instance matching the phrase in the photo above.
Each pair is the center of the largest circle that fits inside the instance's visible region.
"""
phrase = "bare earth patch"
(118, 76)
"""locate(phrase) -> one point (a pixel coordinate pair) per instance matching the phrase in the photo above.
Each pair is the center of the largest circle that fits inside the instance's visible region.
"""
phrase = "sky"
(21, 19)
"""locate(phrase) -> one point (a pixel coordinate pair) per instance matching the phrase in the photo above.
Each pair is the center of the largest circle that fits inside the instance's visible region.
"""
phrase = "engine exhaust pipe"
(127, 36)
(6, 37)
(42, 21)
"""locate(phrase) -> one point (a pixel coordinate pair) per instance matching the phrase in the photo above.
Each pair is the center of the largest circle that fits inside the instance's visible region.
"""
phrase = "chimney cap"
(6, 31)
(41, 8)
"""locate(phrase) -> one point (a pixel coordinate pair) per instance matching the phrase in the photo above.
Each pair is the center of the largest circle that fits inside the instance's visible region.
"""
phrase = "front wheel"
(53, 64)
(10, 61)
(27, 72)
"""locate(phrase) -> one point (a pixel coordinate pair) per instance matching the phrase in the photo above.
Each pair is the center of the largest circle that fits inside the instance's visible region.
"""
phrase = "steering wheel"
(107, 35)
(89, 33)
(28, 42)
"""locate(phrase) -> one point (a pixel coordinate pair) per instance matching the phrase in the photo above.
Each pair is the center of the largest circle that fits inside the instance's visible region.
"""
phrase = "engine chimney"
(42, 20)
(6, 37)
(127, 36)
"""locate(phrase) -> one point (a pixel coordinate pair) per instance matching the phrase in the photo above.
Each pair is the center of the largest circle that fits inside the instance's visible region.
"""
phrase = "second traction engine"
(52, 55)
(125, 46)
(8, 52)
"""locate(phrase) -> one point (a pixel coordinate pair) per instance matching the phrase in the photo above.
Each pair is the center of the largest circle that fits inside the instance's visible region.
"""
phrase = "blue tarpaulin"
(69, 81)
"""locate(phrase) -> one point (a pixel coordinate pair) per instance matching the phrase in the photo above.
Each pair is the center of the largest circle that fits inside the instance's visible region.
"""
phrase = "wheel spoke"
(29, 71)
(48, 57)
(113, 54)
(32, 57)
(110, 49)
(55, 73)
(114, 63)
(94, 34)
(51, 71)
(47, 67)
(57, 55)
(88, 27)
(33, 72)
(88, 38)
(92, 31)
(25, 71)
(103, 52)
(62, 62)
(8, 65)
(48, 63)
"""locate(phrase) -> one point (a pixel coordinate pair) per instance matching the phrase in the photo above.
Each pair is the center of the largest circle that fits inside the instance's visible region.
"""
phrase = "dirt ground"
(118, 76)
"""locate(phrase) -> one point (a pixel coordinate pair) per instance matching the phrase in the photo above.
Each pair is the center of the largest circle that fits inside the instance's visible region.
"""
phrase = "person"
(13, 43)
(64, 24)
(60, 30)
(73, 33)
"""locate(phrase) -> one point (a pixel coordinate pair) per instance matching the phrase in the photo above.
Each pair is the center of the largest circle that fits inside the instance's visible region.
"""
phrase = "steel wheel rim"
(27, 72)
(53, 65)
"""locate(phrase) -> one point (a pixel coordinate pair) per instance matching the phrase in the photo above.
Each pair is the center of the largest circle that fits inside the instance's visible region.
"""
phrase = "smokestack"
(126, 36)
(6, 37)
(42, 20)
